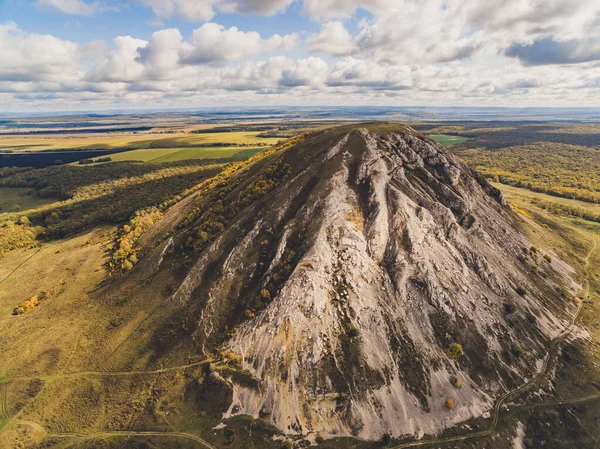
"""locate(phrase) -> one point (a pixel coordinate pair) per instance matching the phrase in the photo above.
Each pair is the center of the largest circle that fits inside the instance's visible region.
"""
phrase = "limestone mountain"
(358, 280)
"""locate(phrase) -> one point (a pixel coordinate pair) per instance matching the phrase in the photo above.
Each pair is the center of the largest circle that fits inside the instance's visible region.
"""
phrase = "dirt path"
(20, 265)
(119, 433)
(169, 369)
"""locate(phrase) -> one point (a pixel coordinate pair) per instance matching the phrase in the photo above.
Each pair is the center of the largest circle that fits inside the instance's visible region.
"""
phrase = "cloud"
(35, 57)
(167, 57)
(550, 51)
(204, 10)
(417, 52)
(333, 39)
(274, 75)
(74, 7)
(214, 43)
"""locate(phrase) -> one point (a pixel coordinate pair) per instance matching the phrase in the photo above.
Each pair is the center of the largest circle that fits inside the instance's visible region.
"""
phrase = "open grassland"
(522, 195)
(20, 200)
(182, 154)
(446, 139)
(132, 141)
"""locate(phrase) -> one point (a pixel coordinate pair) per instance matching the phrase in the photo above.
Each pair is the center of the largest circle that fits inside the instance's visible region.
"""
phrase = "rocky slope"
(349, 267)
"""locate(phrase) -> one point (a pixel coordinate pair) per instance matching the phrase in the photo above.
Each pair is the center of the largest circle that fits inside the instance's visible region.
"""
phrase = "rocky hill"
(363, 282)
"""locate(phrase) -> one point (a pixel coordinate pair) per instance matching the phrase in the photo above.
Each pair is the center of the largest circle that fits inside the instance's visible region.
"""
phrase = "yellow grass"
(128, 140)
(13, 196)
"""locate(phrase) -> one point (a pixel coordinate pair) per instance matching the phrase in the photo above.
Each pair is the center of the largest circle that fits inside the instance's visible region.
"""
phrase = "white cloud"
(204, 10)
(415, 52)
(35, 57)
(215, 43)
(334, 39)
(75, 7)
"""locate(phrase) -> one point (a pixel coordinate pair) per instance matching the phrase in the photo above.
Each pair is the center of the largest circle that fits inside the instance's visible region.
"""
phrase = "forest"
(559, 159)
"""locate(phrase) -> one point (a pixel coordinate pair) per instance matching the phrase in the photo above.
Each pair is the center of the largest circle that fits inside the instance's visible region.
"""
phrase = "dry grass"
(11, 197)
(129, 140)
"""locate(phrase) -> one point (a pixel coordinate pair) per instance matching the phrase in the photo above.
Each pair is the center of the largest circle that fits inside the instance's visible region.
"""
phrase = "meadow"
(182, 154)
(446, 139)
(130, 140)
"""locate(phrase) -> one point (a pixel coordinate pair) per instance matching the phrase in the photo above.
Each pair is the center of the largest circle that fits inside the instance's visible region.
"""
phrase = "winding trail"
(169, 369)
(20, 265)
(118, 434)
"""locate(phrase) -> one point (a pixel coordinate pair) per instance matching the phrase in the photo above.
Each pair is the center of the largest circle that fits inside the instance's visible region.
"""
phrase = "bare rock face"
(374, 256)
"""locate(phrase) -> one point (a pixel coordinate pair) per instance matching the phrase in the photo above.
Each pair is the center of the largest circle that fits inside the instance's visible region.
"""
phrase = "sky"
(73, 55)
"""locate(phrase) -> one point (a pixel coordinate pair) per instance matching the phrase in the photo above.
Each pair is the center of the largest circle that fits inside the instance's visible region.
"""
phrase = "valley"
(110, 359)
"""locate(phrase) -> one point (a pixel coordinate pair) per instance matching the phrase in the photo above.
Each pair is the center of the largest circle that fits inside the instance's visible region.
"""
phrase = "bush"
(456, 382)
(450, 404)
(521, 291)
(516, 351)
(509, 307)
(386, 439)
(454, 351)
(86, 161)
(353, 331)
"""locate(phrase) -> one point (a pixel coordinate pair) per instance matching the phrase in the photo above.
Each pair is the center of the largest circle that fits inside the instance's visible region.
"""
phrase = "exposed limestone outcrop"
(377, 252)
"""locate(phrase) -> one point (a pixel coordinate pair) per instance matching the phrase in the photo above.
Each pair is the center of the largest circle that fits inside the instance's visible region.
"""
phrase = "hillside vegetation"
(557, 159)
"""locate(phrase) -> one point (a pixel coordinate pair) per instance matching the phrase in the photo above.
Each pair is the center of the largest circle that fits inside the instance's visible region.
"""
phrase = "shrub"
(456, 382)
(86, 161)
(386, 439)
(265, 294)
(521, 291)
(353, 331)
(531, 318)
(450, 404)
(516, 350)
(454, 351)
(547, 258)
(509, 307)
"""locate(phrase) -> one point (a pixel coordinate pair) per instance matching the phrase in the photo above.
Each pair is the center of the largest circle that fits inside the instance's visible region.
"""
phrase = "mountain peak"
(358, 276)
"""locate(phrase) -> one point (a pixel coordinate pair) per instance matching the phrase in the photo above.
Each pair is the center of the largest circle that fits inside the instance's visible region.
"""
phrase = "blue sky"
(103, 54)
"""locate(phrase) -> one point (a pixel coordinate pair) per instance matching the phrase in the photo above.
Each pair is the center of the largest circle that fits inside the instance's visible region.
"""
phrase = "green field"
(446, 139)
(11, 197)
(524, 195)
(182, 154)
(133, 141)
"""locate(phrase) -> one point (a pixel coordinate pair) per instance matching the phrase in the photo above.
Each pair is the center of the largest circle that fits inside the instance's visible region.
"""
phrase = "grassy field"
(522, 195)
(446, 139)
(11, 197)
(130, 140)
(182, 154)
